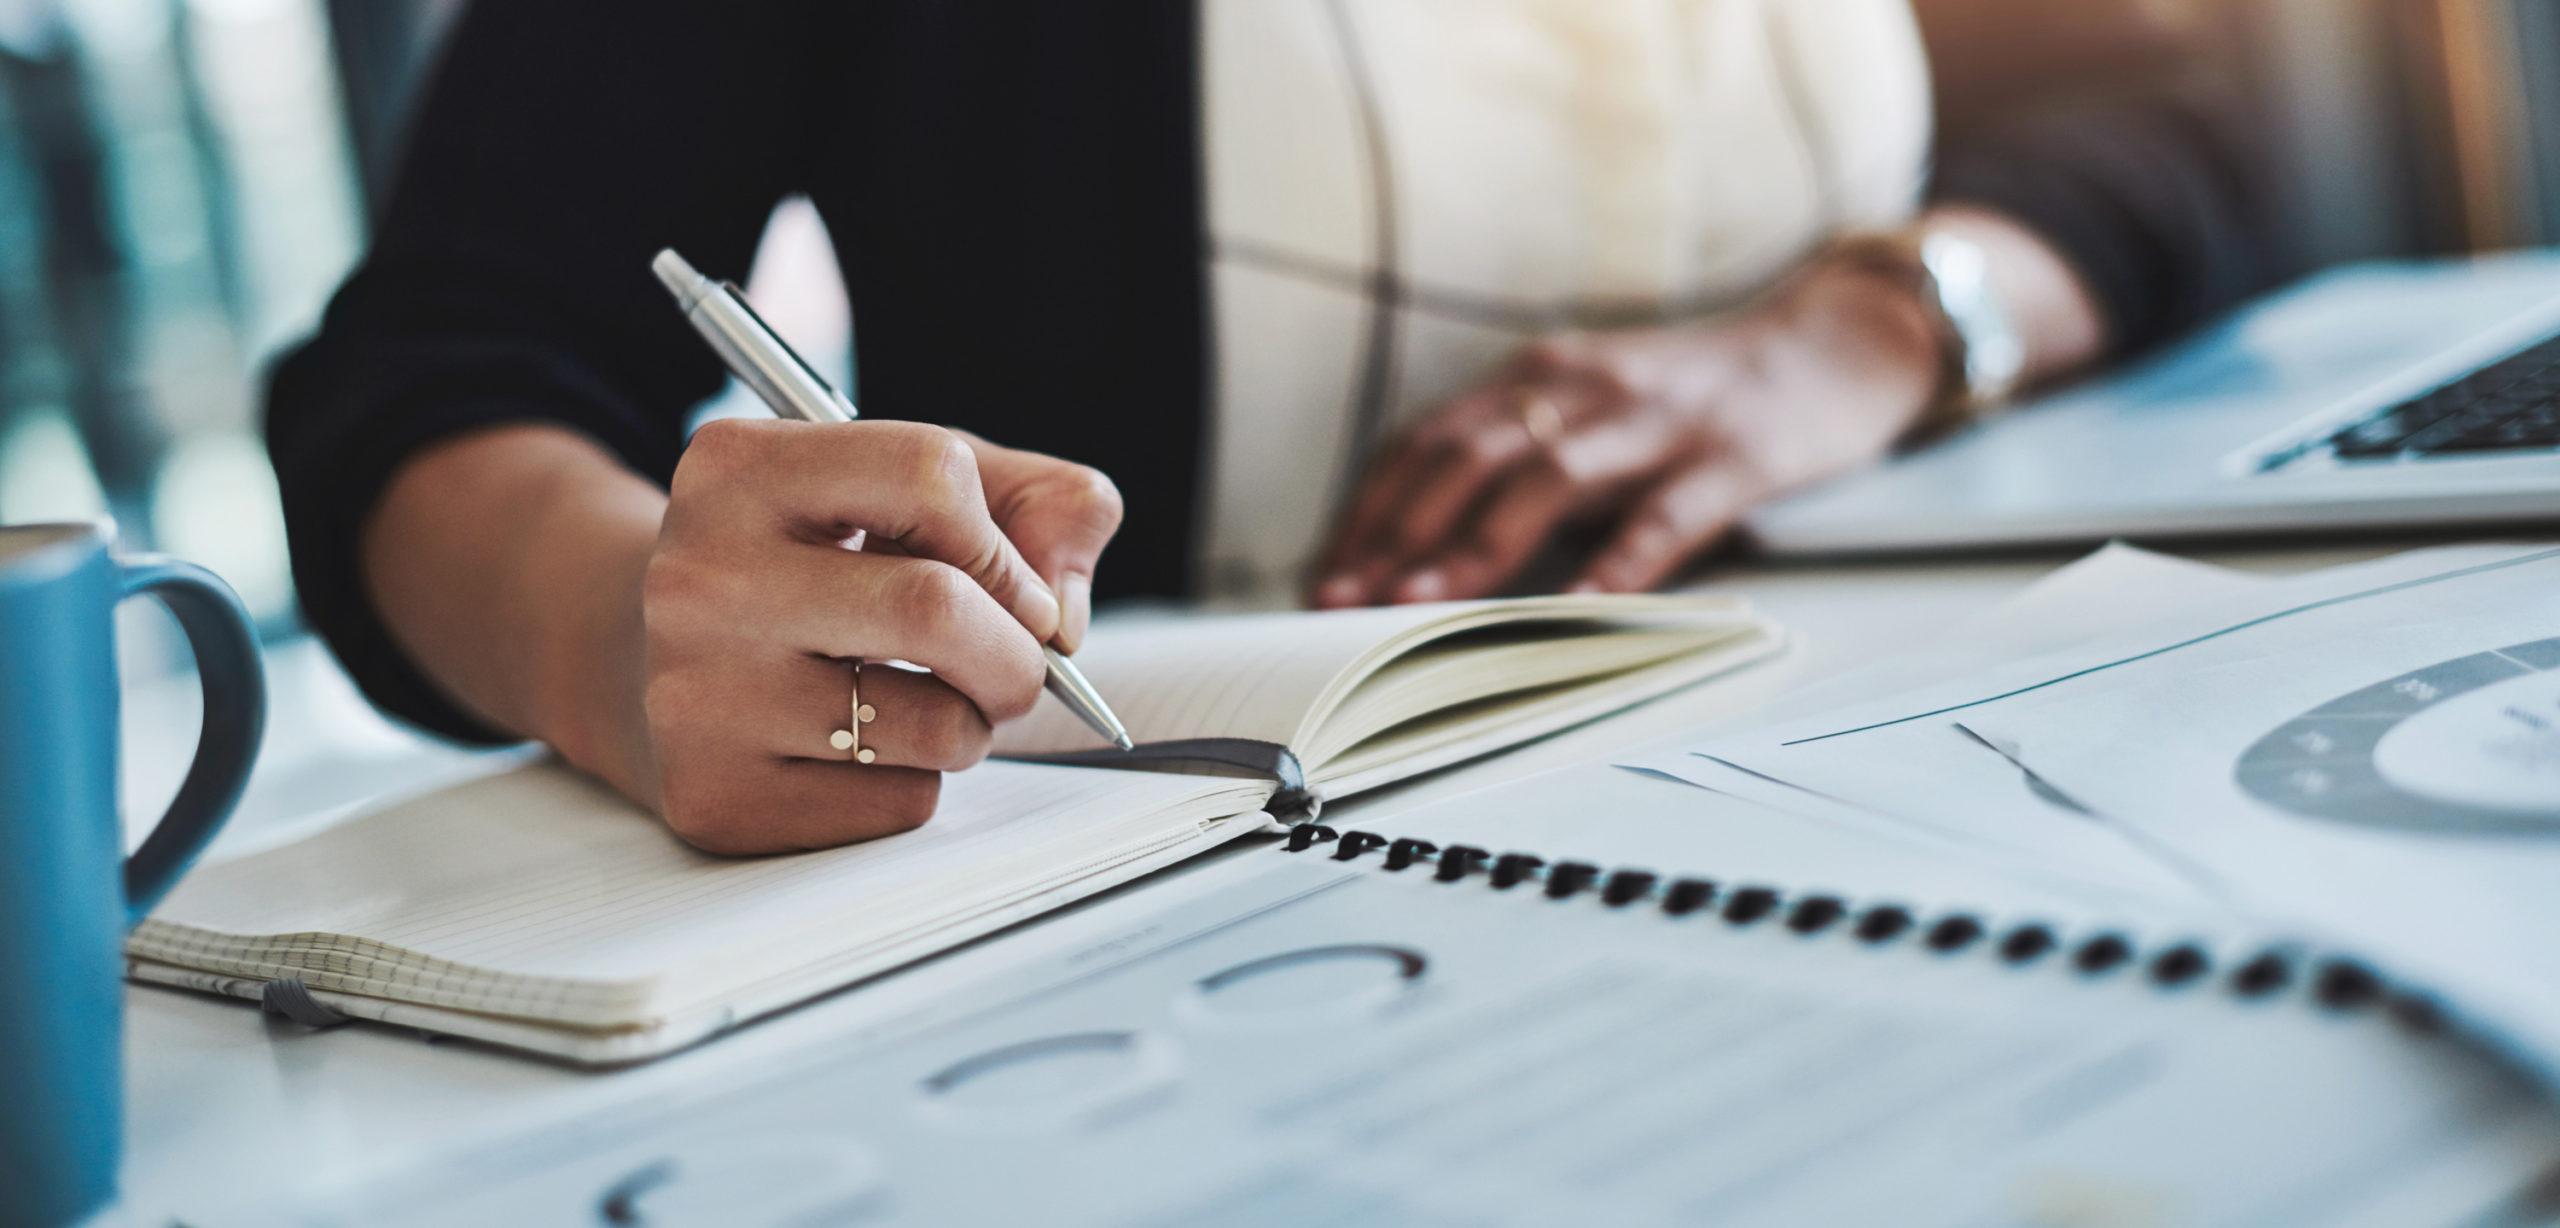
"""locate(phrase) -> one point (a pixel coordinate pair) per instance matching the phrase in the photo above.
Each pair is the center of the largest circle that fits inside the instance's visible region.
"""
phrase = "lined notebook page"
(1229, 676)
(1258, 675)
(543, 873)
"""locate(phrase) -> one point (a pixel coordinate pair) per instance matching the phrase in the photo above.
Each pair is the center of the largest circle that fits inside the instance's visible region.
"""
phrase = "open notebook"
(538, 910)
(1364, 697)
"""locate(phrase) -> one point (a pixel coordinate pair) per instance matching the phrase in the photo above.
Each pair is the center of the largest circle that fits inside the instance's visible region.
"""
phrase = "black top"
(1013, 190)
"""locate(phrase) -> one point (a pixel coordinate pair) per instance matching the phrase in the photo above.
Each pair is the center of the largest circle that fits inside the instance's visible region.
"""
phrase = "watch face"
(1994, 355)
(2470, 745)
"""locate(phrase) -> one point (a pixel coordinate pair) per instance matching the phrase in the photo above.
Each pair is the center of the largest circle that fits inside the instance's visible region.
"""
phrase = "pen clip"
(738, 295)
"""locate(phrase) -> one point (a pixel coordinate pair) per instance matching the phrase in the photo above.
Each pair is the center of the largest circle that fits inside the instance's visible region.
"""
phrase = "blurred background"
(182, 182)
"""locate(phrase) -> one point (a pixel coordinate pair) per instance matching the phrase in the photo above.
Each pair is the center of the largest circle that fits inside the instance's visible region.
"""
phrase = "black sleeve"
(561, 144)
(2113, 129)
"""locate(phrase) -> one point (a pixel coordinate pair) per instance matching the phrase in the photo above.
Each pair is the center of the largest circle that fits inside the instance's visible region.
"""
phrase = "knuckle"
(1713, 436)
(942, 595)
(1545, 356)
(1610, 383)
(1500, 550)
(1413, 535)
(1014, 697)
(943, 469)
(1479, 451)
(720, 449)
(1010, 675)
(1653, 531)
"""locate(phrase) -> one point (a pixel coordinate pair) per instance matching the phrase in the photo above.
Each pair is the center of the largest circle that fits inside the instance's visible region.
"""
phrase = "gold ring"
(849, 738)
(1542, 418)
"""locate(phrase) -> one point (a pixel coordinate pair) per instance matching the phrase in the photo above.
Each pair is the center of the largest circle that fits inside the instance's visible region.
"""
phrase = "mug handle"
(235, 717)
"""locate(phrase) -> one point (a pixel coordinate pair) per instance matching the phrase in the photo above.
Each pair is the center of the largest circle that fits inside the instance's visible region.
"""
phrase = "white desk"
(225, 1108)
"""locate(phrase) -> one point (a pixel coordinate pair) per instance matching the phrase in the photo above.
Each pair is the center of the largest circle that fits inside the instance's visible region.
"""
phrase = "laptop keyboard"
(2512, 404)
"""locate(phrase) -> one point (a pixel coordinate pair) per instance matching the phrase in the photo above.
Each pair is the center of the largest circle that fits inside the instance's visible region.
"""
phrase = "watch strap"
(1981, 355)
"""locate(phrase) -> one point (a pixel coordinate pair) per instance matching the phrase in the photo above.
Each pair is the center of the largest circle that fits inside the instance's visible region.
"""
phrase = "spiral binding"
(2335, 982)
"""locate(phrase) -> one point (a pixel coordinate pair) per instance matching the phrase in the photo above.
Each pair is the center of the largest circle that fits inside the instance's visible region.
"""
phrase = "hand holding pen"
(764, 362)
(725, 697)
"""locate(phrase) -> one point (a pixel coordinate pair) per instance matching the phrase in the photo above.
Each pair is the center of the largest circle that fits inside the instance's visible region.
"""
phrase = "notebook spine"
(2333, 982)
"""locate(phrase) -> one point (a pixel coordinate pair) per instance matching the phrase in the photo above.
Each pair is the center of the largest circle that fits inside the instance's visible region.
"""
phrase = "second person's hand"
(1663, 436)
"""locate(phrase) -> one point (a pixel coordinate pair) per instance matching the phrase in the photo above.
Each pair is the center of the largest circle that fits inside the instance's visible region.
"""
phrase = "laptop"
(2375, 396)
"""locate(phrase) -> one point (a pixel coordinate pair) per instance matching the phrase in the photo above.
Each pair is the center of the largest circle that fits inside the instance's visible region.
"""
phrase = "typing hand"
(751, 608)
(1663, 435)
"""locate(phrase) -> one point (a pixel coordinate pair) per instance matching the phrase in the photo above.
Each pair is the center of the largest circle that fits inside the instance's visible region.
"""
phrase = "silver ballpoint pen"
(786, 383)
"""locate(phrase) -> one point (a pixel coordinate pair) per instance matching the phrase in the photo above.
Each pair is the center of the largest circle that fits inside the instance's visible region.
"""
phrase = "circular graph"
(2466, 745)
(1049, 1082)
(1305, 988)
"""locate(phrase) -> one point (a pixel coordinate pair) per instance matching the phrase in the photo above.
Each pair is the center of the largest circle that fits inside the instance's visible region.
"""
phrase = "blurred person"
(1528, 264)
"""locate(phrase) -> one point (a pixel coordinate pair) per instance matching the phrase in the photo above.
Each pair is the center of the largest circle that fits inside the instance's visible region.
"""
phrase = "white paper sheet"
(1936, 784)
(2384, 764)
(1319, 1044)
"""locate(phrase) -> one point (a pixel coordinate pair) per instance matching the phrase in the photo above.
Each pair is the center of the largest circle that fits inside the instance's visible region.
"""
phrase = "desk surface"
(225, 1107)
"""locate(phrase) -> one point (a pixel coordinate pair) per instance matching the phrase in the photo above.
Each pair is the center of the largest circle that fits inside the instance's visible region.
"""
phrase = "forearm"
(507, 564)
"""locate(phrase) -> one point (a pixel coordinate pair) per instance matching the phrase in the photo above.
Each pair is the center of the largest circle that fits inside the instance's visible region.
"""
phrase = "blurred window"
(178, 198)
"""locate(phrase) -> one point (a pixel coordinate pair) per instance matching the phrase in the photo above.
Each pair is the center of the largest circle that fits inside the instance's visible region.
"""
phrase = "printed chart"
(2468, 745)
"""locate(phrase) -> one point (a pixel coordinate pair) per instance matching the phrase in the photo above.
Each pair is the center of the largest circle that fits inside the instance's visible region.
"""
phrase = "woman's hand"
(693, 649)
(1665, 435)
(1059, 515)
(753, 610)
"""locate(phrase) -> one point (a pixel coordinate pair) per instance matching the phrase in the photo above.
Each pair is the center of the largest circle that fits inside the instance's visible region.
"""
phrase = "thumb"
(948, 517)
(1019, 588)
(1059, 516)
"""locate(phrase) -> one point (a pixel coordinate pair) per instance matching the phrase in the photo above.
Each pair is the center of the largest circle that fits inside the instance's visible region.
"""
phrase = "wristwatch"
(1981, 355)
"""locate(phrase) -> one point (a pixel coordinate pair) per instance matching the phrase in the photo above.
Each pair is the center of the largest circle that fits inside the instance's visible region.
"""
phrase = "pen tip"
(1122, 741)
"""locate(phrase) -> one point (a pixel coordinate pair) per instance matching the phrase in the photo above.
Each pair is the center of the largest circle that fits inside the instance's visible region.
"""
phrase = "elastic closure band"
(292, 999)
(1292, 804)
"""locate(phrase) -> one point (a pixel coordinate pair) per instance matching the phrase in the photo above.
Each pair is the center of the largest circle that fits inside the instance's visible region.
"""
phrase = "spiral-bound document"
(538, 910)
(1456, 1035)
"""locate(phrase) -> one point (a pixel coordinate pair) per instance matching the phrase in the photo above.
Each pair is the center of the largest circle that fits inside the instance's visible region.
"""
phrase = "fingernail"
(1075, 593)
(1427, 584)
(1585, 586)
(1338, 591)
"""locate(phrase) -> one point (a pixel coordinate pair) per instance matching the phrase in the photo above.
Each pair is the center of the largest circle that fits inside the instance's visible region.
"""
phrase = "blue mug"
(64, 906)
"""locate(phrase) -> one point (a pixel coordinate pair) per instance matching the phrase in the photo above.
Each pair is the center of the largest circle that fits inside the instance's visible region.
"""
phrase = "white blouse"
(1498, 169)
